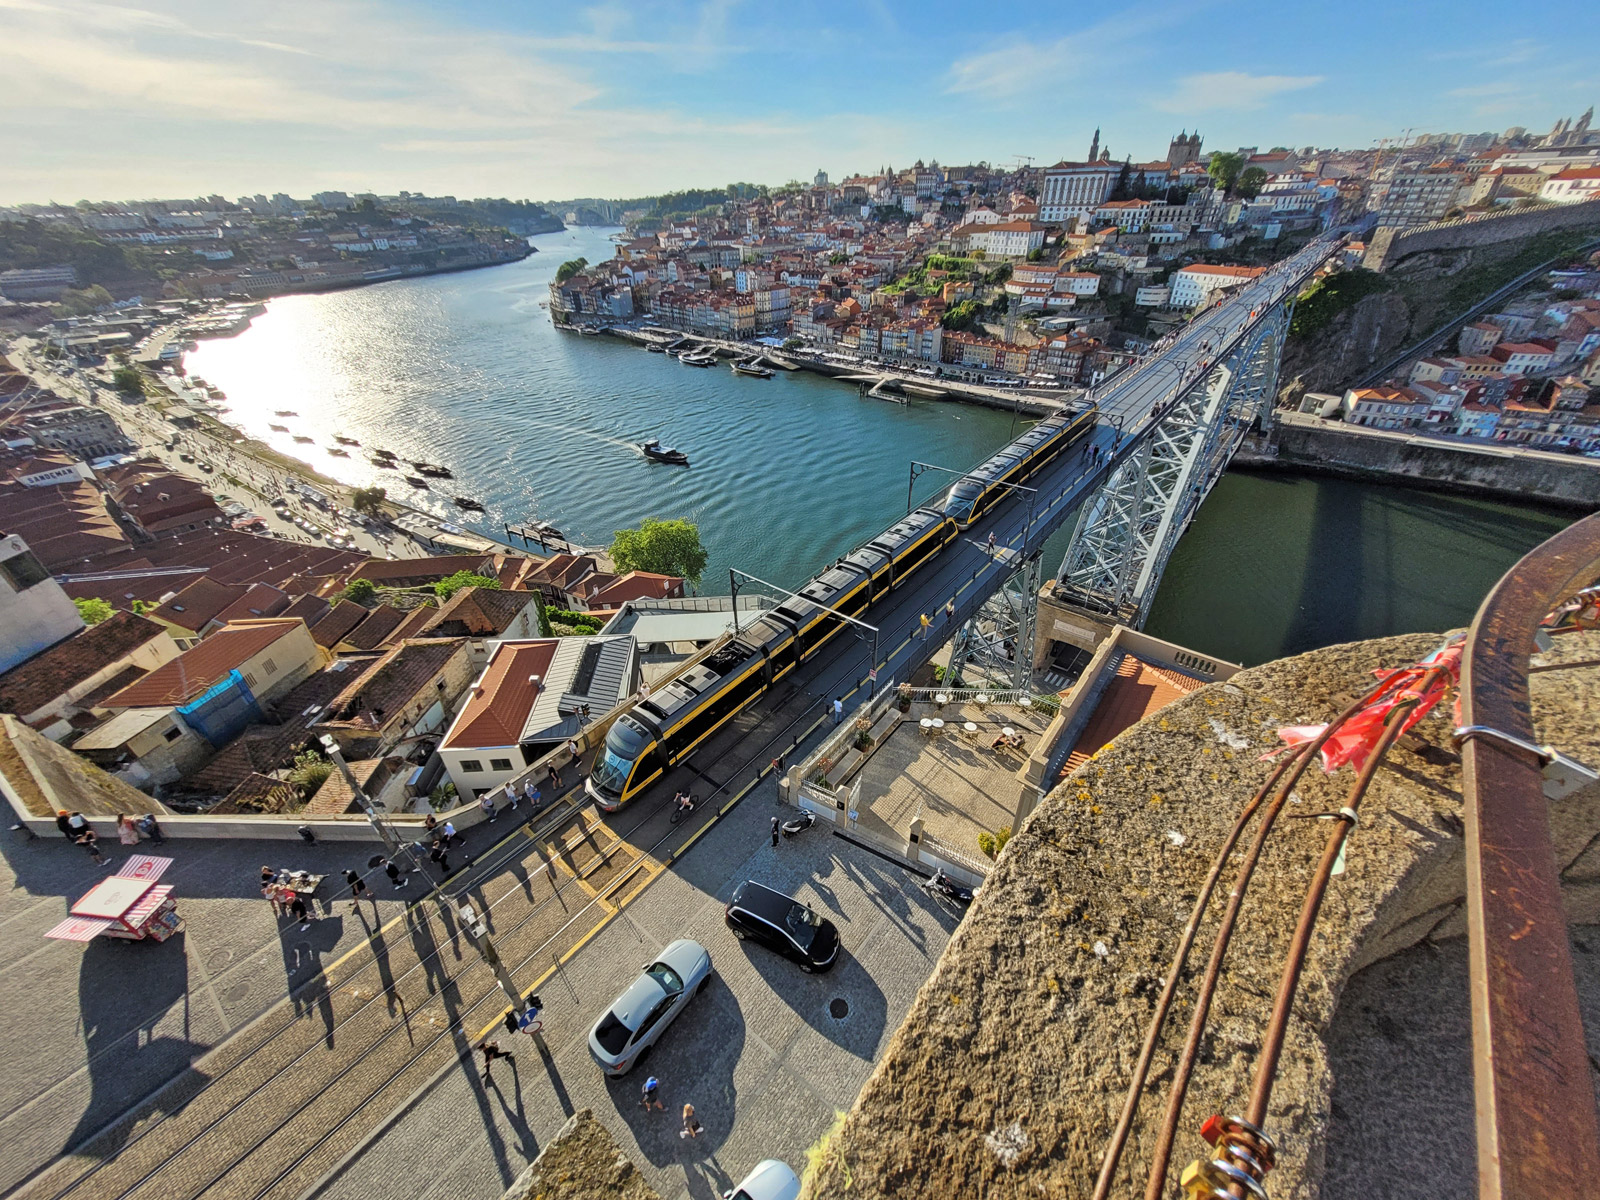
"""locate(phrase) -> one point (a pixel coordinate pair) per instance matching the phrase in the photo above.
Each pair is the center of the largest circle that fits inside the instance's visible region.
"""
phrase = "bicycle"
(679, 808)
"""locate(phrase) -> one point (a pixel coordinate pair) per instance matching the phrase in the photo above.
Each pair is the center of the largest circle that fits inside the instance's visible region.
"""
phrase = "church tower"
(1094, 147)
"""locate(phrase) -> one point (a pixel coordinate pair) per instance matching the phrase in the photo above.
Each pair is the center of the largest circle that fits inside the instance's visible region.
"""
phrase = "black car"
(783, 924)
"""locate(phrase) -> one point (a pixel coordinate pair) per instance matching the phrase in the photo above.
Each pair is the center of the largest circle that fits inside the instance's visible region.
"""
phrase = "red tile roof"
(52, 672)
(338, 621)
(261, 600)
(498, 707)
(193, 671)
(376, 628)
(196, 605)
(1137, 690)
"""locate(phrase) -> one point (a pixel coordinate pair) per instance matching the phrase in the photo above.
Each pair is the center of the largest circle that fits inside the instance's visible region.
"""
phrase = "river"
(466, 370)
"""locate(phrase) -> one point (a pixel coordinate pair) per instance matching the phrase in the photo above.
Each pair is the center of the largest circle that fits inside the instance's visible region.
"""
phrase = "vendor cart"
(131, 905)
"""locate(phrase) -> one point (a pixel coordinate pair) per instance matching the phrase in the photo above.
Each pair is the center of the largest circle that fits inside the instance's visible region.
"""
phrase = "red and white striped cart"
(131, 905)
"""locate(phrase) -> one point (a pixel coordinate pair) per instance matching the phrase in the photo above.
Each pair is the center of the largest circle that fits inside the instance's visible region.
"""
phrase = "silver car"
(622, 1038)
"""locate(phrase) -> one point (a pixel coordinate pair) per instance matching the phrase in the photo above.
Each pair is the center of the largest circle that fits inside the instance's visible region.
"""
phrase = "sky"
(526, 99)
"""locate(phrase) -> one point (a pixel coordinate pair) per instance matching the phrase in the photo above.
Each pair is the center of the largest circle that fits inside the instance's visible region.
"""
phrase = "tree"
(570, 268)
(94, 611)
(360, 590)
(1122, 189)
(961, 316)
(1224, 170)
(83, 302)
(1249, 182)
(446, 588)
(544, 619)
(663, 547)
(793, 343)
(310, 771)
(128, 379)
(368, 500)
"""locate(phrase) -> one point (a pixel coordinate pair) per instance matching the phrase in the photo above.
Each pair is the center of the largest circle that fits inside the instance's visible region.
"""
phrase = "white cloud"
(1236, 91)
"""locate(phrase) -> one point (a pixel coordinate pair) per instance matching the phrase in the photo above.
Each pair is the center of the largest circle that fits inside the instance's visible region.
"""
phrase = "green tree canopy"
(80, 303)
(128, 379)
(368, 499)
(446, 588)
(664, 547)
(1224, 170)
(1249, 182)
(94, 611)
(570, 268)
(961, 316)
(360, 590)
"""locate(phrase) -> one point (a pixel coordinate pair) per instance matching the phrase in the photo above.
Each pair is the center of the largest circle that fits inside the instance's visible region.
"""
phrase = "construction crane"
(1023, 160)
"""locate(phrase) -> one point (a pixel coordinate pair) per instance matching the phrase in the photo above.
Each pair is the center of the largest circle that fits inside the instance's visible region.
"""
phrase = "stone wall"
(1010, 1069)
(1388, 246)
(1307, 444)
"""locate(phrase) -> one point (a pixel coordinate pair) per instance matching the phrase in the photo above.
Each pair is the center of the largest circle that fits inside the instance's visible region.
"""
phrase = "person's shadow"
(303, 951)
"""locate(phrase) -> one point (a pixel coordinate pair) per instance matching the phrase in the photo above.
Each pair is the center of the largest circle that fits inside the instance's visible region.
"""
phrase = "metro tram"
(665, 728)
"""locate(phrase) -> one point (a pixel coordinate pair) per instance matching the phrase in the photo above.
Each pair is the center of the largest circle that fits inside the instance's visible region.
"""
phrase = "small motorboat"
(468, 502)
(415, 482)
(549, 530)
(656, 452)
(279, 428)
(344, 441)
(754, 369)
(655, 347)
(387, 464)
(432, 471)
(300, 437)
(383, 453)
(703, 359)
(338, 452)
(285, 412)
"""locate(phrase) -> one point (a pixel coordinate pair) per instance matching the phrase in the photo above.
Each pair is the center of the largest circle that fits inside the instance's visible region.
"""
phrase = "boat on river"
(279, 428)
(345, 441)
(338, 452)
(433, 471)
(702, 359)
(285, 412)
(378, 460)
(300, 437)
(468, 502)
(656, 452)
(417, 483)
(754, 369)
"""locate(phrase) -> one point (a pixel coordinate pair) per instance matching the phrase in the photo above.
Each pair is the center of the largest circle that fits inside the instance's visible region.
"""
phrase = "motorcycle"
(800, 824)
(940, 884)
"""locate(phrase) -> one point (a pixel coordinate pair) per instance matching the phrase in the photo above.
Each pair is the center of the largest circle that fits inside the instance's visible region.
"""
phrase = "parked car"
(771, 1180)
(782, 923)
(623, 1037)
(185, 457)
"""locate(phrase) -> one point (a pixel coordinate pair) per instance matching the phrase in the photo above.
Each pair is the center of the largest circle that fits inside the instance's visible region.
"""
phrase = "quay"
(919, 386)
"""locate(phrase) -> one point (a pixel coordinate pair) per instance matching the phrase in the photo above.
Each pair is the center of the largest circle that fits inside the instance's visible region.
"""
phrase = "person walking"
(430, 823)
(448, 834)
(90, 840)
(64, 823)
(774, 832)
(511, 796)
(77, 824)
(358, 889)
(491, 1051)
(927, 624)
(148, 826)
(838, 709)
(395, 874)
(487, 804)
(298, 910)
(649, 1096)
(991, 544)
(950, 611)
(530, 792)
(574, 754)
(555, 777)
(691, 1127)
(439, 856)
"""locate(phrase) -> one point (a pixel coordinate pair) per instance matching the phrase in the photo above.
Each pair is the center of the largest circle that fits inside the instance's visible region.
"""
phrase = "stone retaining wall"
(1388, 246)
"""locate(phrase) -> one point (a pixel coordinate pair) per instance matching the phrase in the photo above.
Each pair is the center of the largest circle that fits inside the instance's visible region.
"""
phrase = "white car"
(622, 1038)
(771, 1180)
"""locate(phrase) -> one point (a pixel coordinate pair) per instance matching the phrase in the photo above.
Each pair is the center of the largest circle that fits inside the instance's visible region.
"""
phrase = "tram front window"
(623, 746)
(962, 497)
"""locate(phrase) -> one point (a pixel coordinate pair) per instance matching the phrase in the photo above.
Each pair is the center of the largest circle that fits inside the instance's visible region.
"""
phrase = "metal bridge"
(1167, 427)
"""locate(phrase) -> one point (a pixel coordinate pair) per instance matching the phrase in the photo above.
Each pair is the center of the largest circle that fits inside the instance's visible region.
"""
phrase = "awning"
(79, 929)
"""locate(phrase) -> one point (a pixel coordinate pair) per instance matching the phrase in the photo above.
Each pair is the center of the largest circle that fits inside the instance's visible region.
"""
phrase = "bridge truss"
(1114, 564)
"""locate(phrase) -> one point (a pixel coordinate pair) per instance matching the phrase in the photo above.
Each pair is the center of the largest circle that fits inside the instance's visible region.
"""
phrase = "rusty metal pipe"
(1537, 1132)
(1156, 1181)
(1283, 1003)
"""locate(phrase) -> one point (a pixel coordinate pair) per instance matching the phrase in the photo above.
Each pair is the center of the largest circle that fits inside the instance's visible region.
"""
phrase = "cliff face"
(1349, 346)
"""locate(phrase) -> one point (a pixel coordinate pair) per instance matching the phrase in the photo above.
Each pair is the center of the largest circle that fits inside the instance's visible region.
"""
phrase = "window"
(499, 764)
(173, 734)
(272, 667)
(23, 571)
(250, 679)
(471, 765)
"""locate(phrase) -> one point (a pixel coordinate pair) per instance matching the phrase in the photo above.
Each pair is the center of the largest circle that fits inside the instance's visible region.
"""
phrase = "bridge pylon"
(996, 642)
(1113, 566)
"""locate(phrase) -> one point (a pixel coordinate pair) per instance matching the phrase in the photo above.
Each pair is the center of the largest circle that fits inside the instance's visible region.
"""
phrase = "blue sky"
(489, 97)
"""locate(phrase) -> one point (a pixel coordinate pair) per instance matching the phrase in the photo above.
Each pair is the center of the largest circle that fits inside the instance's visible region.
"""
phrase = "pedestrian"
(358, 889)
(774, 832)
(89, 840)
(511, 795)
(649, 1097)
(555, 777)
(530, 792)
(297, 910)
(77, 823)
(430, 823)
(306, 835)
(927, 623)
(396, 876)
(487, 804)
(151, 830)
(448, 834)
(691, 1127)
(573, 754)
(777, 765)
(838, 709)
(991, 543)
(64, 823)
(490, 1052)
(950, 610)
(439, 856)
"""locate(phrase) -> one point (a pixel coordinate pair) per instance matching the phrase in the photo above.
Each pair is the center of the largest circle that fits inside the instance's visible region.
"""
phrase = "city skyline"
(171, 99)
